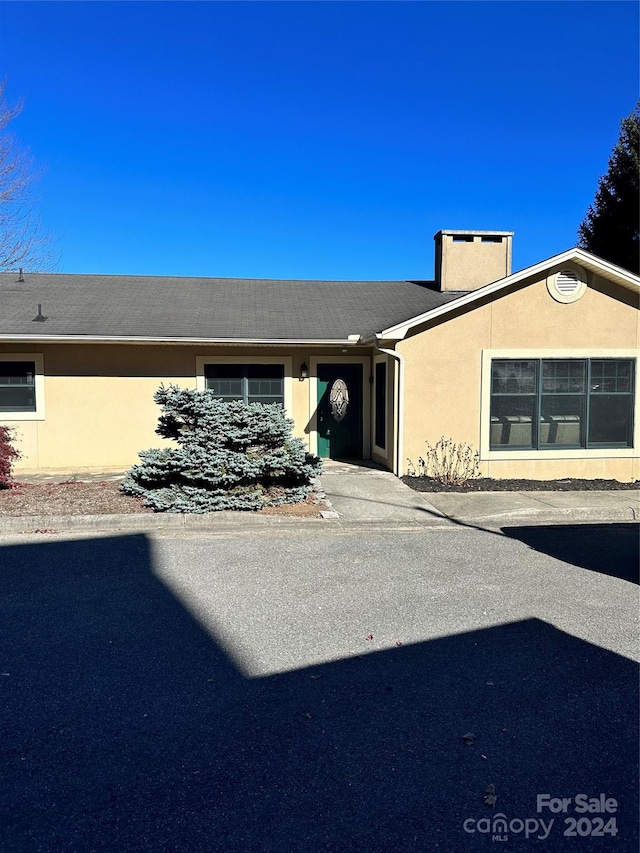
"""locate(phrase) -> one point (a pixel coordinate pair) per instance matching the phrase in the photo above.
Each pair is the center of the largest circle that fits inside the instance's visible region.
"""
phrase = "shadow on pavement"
(127, 728)
(611, 549)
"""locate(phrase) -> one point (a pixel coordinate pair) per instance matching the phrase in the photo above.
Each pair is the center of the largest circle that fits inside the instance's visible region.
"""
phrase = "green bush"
(230, 455)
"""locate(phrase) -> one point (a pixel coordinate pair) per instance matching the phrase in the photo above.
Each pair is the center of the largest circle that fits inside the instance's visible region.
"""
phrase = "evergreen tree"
(611, 227)
(229, 455)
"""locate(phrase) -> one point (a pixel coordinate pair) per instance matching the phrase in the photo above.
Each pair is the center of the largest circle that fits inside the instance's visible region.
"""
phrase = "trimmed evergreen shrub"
(230, 455)
(8, 454)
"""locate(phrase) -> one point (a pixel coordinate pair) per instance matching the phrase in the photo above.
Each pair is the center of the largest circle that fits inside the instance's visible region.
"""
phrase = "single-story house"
(535, 369)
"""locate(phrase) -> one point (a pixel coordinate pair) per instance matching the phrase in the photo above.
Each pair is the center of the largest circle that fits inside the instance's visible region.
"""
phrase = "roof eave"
(351, 340)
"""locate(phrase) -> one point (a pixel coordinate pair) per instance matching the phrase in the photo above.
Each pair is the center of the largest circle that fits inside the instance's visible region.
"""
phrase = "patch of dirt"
(78, 498)
(71, 498)
(304, 509)
(486, 484)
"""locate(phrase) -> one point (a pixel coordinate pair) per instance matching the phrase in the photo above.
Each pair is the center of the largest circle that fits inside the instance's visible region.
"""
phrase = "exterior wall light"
(304, 371)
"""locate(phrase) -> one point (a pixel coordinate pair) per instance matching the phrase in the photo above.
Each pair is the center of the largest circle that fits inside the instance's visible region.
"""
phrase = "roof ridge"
(219, 278)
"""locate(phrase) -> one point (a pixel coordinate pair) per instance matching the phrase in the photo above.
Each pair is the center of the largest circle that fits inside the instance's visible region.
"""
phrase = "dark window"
(562, 404)
(553, 403)
(17, 386)
(381, 405)
(251, 383)
(611, 402)
(513, 403)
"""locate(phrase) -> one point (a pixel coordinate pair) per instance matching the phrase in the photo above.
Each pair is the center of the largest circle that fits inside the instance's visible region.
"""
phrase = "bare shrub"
(448, 462)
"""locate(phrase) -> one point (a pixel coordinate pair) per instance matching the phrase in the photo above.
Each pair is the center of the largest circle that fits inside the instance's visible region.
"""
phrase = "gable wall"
(443, 374)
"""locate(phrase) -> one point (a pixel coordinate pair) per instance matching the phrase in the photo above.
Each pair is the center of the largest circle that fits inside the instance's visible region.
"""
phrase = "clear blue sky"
(314, 140)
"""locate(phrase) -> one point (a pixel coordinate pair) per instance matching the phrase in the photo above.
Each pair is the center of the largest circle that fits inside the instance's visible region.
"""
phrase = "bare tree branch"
(23, 243)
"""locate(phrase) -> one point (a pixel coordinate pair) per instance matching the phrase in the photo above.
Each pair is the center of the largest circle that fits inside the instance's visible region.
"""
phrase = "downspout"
(399, 394)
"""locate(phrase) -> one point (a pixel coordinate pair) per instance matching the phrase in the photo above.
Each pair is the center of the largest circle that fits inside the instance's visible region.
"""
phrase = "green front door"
(340, 411)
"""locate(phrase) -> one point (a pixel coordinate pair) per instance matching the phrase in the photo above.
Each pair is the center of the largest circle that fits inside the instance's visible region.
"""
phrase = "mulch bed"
(486, 484)
(72, 498)
(78, 498)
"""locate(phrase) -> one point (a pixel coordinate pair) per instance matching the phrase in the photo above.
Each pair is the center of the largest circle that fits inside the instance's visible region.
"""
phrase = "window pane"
(265, 371)
(223, 371)
(14, 398)
(265, 383)
(228, 388)
(17, 386)
(610, 419)
(225, 380)
(380, 438)
(611, 376)
(17, 373)
(513, 377)
(265, 387)
(563, 377)
(561, 420)
(512, 421)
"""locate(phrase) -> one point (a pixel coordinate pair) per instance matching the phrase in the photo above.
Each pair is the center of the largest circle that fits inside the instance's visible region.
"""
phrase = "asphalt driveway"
(331, 689)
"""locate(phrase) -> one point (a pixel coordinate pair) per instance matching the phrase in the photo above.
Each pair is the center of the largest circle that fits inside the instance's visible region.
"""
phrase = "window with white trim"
(553, 403)
(251, 383)
(17, 386)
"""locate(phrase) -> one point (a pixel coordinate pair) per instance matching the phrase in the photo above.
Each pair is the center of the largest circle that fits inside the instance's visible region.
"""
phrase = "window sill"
(577, 453)
(21, 416)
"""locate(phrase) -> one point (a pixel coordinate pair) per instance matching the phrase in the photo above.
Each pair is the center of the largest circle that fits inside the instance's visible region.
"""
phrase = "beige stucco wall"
(99, 409)
(443, 375)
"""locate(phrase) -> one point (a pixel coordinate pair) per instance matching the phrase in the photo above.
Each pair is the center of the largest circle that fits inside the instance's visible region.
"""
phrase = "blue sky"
(314, 140)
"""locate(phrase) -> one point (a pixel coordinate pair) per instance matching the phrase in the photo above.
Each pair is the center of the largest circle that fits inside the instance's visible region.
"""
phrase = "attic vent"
(567, 285)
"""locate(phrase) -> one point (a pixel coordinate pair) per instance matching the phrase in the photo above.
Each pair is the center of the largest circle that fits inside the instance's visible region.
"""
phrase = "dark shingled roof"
(195, 308)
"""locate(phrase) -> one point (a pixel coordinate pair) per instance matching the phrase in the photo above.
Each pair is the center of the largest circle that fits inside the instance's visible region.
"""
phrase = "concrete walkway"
(361, 493)
(366, 493)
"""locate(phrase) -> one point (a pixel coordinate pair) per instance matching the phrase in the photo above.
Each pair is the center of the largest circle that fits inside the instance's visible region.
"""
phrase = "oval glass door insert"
(339, 400)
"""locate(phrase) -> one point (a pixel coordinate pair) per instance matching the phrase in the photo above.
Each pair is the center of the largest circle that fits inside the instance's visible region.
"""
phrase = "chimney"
(467, 260)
